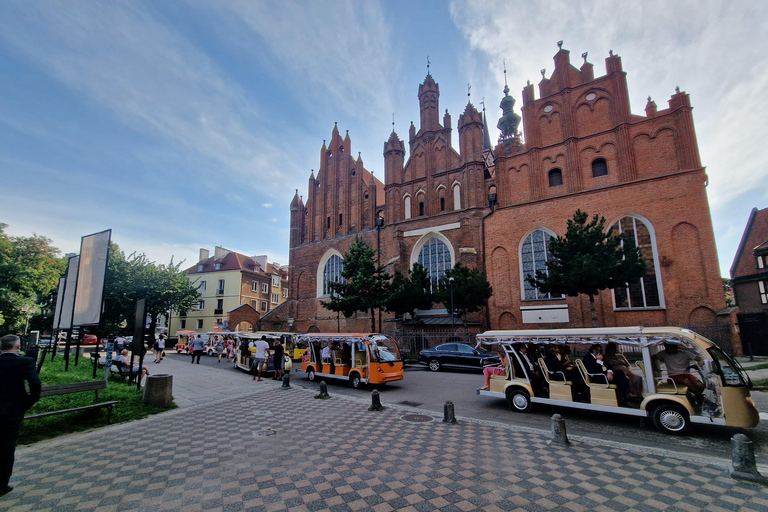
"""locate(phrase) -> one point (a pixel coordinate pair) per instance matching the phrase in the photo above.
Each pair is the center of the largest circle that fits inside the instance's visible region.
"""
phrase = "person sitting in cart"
(594, 364)
(678, 363)
(495, 370)
(532, 370)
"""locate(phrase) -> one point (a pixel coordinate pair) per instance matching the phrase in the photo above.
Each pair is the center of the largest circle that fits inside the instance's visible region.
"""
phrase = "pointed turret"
(471, 134)
(394, 157)
(429, 98)
(297, 220)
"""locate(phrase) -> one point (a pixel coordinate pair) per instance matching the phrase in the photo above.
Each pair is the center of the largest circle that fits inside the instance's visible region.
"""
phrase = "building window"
(341, 221)
(442, 204)
(217, 266)
(646, 292)
(275, 298)
(763, 286)
(220, 289)
(285, 293)
(555, 178)
(761, 262)
(255, 286)
(200, 268)
(457, 197)
(599, 168)
(263, 305)
(332, 273)
(436, 259)
(200, 324)
(328, 223)
(201, 305)
(219, 303)
(264, 288)
(182, 324)
(407, 206)
(275, 282)
(255, 304)
(534, 255)
(202, 286)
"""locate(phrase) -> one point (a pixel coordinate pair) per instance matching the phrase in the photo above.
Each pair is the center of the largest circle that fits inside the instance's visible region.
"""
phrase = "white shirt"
(677, 363)
(262, 347)
(326, 352)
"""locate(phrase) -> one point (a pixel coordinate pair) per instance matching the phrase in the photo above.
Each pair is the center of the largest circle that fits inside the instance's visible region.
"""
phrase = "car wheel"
(519, 400)
(434, 365)
(354, 380)
(671, 419)
(311, 374)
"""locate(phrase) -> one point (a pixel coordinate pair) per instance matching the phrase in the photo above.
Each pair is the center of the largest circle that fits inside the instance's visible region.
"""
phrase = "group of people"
(610, 367)
(255, 354)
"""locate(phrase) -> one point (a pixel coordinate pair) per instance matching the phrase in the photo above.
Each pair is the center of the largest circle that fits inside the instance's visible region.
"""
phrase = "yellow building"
(227, 281)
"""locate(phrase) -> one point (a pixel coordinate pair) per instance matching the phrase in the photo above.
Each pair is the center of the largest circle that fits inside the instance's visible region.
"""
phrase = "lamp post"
(453, 326)
(26, 311)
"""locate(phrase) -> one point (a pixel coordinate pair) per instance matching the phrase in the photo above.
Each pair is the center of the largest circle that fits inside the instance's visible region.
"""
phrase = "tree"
(165, 288)
(471, 290)
(364, 285)
(589, 259)
(29, 271)
(407, 294)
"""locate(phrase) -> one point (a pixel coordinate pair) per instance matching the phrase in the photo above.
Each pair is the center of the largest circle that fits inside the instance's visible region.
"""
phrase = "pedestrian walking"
(261, 353)
(230, 349)
(15, 371)
(219, 346)
(277, 359)
(198, 346)
(159, 348)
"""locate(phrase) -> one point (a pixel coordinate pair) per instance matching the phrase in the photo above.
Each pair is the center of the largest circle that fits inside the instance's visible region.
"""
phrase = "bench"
(76, 387)
(664, 385)
(600, 393)
(559, 385)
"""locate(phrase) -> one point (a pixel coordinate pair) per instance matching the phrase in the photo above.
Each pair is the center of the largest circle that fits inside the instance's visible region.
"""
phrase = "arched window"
(599, 168)
(435, 257)
(534, 254)
(457, 197)
(555, 178)
(332, 272)
(407, 206)
(421, 201)
(645, 293)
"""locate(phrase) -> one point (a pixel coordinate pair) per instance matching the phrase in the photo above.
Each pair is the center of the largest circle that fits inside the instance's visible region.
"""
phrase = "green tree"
(589, 259)
(132, 277)
(407, 294)
(364, 285)
(30, 268)
(471, 290)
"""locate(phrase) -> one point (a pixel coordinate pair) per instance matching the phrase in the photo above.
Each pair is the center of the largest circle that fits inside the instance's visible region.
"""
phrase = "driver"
(678, 363)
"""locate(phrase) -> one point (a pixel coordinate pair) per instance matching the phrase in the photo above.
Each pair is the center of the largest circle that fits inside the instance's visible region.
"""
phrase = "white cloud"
(267, 205)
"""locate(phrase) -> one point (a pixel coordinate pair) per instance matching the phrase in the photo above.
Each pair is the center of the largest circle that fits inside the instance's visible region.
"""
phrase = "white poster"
(59, 299)
(70, 285)
(94, 250)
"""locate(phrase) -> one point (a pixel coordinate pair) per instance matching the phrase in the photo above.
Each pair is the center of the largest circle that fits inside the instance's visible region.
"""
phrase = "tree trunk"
(373, 320)
(592, 310)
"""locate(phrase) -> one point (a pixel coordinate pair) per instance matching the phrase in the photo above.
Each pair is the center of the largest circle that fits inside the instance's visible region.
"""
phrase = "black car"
(456, 355)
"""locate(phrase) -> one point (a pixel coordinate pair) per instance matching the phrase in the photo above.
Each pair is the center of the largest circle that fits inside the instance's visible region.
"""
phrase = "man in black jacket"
(14, 401)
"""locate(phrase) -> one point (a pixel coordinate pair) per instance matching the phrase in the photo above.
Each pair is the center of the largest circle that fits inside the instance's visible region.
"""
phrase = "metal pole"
(453, 327)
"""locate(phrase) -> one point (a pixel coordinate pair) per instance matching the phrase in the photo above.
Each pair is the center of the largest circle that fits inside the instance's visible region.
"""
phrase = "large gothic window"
(435, 257)
(332, 273)
(534, 255)
(645, 293)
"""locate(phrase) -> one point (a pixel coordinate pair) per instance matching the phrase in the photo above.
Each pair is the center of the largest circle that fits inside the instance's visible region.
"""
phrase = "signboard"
(68, 298)
(94, 251)
(59, 301)
(108, 360)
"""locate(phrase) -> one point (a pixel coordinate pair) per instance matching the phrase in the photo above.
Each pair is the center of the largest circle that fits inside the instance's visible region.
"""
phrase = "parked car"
(45, 341)
(90, 339)
(457, 355)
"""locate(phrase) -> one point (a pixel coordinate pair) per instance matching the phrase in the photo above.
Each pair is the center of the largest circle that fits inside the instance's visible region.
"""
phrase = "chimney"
(220, 252)
(262, 261)
(203, 254)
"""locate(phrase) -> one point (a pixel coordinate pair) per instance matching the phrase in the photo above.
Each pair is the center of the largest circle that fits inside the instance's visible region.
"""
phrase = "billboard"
(68, 295)
(94, 251)
(59, 300)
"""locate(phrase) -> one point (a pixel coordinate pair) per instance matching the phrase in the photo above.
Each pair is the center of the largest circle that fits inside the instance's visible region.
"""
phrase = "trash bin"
(158, 390)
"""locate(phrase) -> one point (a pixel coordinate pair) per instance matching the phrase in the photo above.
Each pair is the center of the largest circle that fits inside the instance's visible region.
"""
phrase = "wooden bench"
(559, 385)
(600, 393)
(76, 387)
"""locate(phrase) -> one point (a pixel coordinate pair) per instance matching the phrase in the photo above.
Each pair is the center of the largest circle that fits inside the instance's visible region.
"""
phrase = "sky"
(189, 124)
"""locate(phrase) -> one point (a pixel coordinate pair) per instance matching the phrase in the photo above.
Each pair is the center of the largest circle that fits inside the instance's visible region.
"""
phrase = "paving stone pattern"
(282, 449)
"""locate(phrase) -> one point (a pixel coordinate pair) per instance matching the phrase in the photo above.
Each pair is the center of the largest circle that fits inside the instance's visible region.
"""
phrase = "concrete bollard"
(744, 465)
(448, 414)
(158, 390)
(375, 402)
(286, 381)
(559, 435)
(323, 390)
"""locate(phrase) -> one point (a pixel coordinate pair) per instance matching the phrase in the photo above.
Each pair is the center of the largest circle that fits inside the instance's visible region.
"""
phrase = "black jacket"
(14, 372)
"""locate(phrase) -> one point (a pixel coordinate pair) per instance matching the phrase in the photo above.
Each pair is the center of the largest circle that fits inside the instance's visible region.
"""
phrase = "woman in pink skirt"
(495, 370)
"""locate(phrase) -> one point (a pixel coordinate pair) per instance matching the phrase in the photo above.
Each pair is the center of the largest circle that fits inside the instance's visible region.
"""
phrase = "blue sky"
(188, 124)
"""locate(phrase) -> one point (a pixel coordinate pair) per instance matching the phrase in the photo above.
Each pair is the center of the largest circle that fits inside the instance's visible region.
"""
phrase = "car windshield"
(727, 368)
(384, 349)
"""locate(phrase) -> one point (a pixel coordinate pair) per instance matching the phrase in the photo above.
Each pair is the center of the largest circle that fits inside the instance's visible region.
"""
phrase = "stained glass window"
(332, 273)
(534, 256)
(436, 259)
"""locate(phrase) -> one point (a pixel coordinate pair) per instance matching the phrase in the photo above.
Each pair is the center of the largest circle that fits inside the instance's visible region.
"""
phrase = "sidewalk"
(276, 449)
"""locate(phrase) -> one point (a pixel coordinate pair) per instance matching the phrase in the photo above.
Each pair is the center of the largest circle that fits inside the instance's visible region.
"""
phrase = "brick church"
(495, 208)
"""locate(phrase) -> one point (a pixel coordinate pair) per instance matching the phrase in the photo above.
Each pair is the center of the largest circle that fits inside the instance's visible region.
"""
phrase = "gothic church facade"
(494, 208)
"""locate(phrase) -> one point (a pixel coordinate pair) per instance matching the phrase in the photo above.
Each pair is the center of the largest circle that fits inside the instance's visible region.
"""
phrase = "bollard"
(375, 402)
(448, 415)
(744, 465)
(158, 390)
(559, 435)
(286, 381)
(323, 391)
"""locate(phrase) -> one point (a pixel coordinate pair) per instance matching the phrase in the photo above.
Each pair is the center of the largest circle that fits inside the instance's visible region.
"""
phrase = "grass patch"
(762, 383)
(761, 366)
(130, 407)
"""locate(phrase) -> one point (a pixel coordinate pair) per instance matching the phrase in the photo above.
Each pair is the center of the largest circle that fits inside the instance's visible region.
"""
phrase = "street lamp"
(453, 326)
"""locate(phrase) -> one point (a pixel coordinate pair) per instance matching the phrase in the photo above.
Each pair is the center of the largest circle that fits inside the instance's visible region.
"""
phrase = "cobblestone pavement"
(281, 449)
